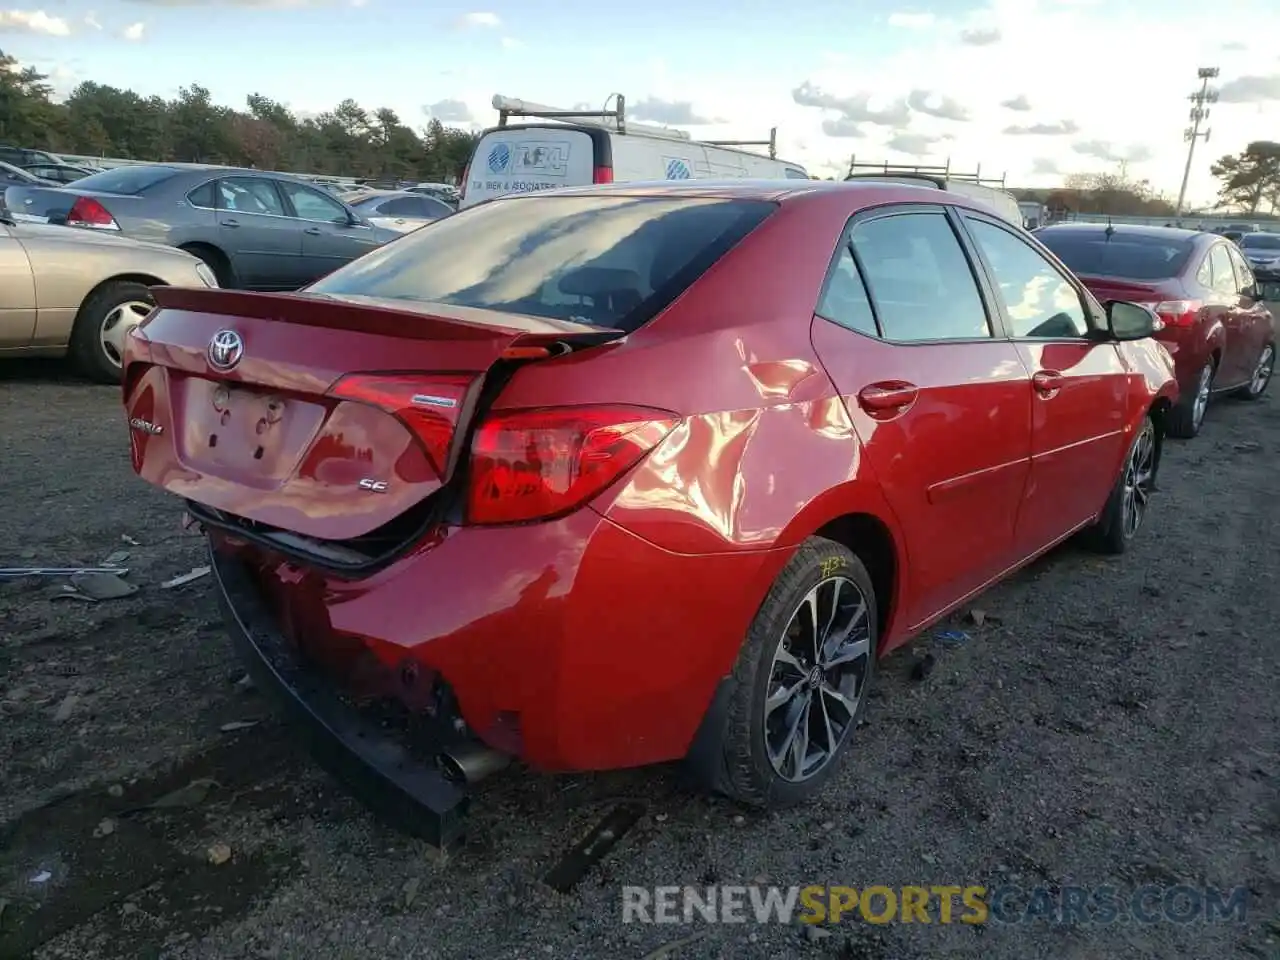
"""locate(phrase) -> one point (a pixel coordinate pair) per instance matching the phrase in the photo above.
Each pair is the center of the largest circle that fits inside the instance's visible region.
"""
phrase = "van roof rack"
(937, 174)
(615, 119)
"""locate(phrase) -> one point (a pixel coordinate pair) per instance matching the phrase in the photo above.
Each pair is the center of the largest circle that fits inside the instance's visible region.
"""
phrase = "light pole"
(1199, 112)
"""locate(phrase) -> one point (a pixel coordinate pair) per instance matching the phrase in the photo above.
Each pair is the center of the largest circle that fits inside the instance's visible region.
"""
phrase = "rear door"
(262, 243)
(1079, 387)
(942, 405)
(530, 158)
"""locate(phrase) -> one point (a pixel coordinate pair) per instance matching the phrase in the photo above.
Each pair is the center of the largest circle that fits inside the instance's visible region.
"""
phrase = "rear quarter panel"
(766, 452)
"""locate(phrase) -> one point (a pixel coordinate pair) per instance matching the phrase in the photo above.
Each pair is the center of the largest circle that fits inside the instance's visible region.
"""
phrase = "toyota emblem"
(225, 350)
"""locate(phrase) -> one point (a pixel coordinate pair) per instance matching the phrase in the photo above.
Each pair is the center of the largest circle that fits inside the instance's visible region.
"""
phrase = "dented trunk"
(322, 416)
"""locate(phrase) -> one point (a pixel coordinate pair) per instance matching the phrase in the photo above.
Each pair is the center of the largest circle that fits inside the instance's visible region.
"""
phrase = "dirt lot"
(1117, 725)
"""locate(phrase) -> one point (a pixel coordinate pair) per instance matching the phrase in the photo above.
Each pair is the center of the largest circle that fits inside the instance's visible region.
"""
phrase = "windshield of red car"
(1130, 256)
(611, 261)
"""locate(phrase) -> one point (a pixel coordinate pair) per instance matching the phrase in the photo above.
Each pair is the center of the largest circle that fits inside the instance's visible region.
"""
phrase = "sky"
(1029, 89)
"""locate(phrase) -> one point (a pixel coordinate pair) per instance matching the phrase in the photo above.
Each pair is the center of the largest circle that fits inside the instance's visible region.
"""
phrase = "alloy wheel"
(1204, 388)
(116, 326)
(1139, 473)
(1262, 372)
(817, 679)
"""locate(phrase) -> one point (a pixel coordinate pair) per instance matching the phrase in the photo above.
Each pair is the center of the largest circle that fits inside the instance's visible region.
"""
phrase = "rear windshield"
(1261, 241)
(127, 180)
(1134, 257)
(604, 260)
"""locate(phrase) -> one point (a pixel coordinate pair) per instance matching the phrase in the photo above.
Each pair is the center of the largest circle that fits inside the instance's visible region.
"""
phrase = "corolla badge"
(226, 349)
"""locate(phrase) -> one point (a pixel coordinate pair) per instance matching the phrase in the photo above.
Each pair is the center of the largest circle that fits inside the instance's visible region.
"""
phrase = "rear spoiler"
(409, 319)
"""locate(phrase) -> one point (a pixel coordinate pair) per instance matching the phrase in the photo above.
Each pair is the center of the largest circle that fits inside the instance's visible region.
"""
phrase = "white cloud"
(480, 19)
(33, 21)
(134, 32)
(1250, 89)
(91, 21)
(511, 43)
(912, 21)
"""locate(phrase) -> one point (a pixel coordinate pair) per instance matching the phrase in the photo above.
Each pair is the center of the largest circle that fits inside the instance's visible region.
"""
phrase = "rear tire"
(780, 691)
(1262, 371)
(1187, 417)
(102, 327)
(1117, 526)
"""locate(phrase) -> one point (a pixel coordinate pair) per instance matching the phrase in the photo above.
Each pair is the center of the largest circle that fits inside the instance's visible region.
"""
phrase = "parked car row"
(810, 418)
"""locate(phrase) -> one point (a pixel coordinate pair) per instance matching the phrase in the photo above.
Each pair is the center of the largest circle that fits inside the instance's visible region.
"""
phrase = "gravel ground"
(1113, 722)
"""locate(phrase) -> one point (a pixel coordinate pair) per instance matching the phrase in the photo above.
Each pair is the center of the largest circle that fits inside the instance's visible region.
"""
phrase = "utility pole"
(1199, 112)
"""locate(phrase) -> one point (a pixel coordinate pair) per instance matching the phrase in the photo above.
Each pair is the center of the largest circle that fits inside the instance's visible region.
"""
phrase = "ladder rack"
(938, 174)
(615, 119)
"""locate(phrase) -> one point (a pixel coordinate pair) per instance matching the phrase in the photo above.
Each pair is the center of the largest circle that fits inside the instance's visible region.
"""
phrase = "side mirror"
(1268, 291)
(1131, 321)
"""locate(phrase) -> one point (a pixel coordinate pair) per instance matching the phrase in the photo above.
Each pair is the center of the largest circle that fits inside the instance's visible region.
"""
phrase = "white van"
(576, 147)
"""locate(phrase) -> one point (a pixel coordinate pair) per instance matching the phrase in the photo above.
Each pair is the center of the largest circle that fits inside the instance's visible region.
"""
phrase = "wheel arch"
(146, 279)
(857, 516)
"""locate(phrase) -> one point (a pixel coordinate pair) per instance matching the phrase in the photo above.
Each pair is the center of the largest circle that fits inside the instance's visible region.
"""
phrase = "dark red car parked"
(1216, 324)
(611, 476)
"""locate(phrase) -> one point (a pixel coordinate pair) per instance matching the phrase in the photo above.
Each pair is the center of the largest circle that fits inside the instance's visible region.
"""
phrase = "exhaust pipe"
(470, 763)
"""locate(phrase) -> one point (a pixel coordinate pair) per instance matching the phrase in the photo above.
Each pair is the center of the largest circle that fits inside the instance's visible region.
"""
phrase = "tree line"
(104, 121)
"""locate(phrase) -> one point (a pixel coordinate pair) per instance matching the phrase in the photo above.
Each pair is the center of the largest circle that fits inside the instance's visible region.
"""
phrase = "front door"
(941, 405)
(1237, 356)
(1079, 386)
(330, 238)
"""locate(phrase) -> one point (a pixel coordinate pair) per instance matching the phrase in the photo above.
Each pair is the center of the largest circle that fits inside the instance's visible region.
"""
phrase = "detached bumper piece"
(407, 788)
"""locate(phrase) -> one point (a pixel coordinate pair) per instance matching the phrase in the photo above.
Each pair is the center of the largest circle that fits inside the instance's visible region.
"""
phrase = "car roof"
(1122, 229)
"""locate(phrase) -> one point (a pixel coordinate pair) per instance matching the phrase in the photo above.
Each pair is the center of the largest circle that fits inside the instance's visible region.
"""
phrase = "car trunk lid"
(1138, 291)
(328, 417)
(40, 204)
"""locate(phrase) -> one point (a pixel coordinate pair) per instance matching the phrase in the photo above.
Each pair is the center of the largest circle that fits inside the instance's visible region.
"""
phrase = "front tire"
(1126, 508)
(799, 687)
(1261, 378)
(1188, 416)
(102, 327)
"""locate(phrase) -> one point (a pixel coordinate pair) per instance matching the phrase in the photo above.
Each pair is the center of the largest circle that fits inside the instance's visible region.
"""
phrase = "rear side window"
(1244, 273)
(845, 301)
(1128, 256)
(602, 260)
(130, 180)
(919, 278)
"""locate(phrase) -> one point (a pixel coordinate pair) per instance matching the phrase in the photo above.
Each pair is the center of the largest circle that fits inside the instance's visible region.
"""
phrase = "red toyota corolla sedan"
(1216, 324)
(612, 476)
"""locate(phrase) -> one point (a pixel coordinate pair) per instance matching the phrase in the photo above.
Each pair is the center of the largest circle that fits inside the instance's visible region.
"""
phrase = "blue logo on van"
(678, 170)
(499, 157)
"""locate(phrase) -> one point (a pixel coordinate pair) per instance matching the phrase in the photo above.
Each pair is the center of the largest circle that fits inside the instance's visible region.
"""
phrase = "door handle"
(231, 223)
(312, 231)
(1048, 382)
(887, 397)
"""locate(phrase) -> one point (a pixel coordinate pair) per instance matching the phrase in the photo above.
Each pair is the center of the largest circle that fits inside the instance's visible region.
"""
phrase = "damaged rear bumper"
(417, 786)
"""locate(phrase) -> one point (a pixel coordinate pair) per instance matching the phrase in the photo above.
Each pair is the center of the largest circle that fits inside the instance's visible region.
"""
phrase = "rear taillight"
(88, 212)
(602, 175)
(429, 405)
(539, 464)
(1176, 313)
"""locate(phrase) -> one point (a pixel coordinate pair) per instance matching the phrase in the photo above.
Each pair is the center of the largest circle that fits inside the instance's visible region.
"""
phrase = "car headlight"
(205, 273)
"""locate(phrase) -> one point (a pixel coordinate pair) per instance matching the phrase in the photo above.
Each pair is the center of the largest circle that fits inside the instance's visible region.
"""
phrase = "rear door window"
(919, 278)
(1244, 273)
(844, 298)
(605, 260)
(249, 195)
